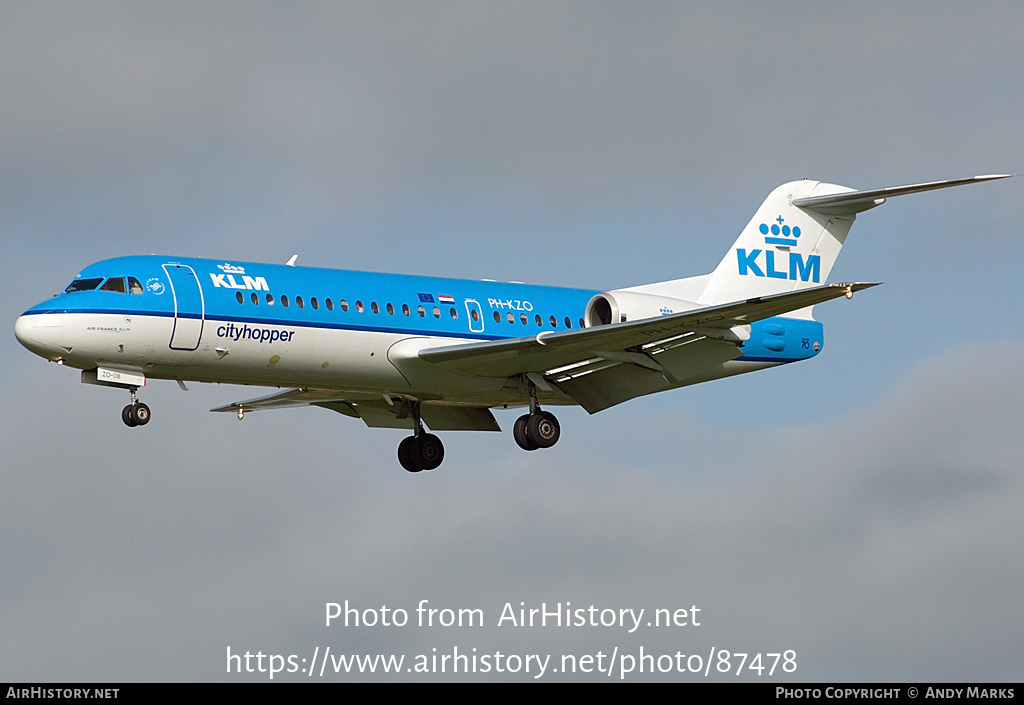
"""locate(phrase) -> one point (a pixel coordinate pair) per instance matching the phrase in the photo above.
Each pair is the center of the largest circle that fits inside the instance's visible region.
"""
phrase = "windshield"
(82, 285)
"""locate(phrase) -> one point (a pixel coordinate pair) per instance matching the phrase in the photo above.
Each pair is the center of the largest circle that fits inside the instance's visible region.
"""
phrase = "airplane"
(400, 351)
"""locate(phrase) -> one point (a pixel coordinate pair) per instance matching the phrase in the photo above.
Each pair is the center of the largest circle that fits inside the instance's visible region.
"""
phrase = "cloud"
(879, 532)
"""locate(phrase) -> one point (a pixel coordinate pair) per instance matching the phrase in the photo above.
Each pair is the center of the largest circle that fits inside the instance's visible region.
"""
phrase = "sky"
(860, 510)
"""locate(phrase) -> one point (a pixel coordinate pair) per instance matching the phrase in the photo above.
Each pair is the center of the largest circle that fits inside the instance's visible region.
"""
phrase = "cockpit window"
(115, 284)
(82, 285)
(134, 286)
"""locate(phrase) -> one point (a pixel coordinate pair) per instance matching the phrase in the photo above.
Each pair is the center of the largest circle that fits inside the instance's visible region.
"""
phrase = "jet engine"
(622, 305)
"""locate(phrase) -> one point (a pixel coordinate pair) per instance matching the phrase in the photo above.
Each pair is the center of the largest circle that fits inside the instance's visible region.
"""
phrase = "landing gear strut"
(136, 413)
(421, 450)
(537, 429)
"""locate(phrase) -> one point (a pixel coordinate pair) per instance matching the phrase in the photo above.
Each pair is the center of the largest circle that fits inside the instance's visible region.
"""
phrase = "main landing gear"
(421, 450)
(424, 451)
(136, 413)
(537, 429)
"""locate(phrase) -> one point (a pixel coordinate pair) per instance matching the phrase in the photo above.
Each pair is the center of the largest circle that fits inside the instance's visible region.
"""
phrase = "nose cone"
(42, 334)
(23, 330)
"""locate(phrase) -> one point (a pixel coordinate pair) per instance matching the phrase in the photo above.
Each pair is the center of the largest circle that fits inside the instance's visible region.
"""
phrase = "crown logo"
(230, 268)
(776, 230)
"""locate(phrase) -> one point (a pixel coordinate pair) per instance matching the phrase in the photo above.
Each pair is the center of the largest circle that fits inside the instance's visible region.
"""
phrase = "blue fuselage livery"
(400, 351)
(306, 297)
(201, 309)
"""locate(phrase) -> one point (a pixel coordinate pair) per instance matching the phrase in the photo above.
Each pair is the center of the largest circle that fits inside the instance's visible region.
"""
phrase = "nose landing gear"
(136, 413)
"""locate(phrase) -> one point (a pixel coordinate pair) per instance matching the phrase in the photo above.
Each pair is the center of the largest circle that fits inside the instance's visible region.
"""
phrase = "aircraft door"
(475, 316)
(189, 307)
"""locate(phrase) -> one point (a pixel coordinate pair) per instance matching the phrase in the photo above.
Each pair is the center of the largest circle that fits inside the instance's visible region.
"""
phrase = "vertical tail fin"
(782, 248)
(794, 238)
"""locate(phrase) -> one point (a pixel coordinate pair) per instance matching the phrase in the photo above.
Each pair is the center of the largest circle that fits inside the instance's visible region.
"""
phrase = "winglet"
(851, 202)
(291, 261)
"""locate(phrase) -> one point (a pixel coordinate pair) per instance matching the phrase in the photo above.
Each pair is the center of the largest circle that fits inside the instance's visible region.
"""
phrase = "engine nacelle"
(623, 305)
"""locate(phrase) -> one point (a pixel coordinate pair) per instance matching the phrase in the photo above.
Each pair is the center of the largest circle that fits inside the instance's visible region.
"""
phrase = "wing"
(597, 367)
(605, 365)
(375, 411)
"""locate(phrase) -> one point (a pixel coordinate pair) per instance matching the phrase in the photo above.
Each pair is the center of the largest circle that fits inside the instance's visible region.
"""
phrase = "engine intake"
(621, 306)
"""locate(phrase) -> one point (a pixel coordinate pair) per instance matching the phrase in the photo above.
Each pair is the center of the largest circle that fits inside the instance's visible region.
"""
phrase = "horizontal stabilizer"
(850, 202)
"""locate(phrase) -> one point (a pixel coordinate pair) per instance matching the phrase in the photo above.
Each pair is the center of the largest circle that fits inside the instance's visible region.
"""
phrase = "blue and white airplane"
(402, 351)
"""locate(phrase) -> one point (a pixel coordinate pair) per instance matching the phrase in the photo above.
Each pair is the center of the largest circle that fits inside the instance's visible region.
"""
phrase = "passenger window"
(568, 322)
(238, 296)
(314, 303)
(581, 323)
(554, 322)
(115, 284)
(540, 321)
(330, 305)
(497, 317)
(454, 313)
(82, 285)
(359, 306)
(134, 286)
(298, 301)
(522, 318)
(405, 309)
(344, 305)
(374, 307)
(422, 311)
(437, 312)
(475, 315)
(255, 299)
(511, 317)
(284, 300)
(391, 310)
(270, 299)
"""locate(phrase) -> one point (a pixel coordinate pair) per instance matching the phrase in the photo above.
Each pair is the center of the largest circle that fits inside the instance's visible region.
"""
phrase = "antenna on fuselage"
(291, 262)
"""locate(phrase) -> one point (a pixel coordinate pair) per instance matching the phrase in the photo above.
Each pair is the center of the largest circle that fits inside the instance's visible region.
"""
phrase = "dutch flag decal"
(445, 299)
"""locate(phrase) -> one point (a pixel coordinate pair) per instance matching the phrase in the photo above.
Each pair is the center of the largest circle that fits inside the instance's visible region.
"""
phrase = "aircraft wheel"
(542, 429)
(428, 451)
(519, 433)
(405, 456)
(139, 413)
(126, 416)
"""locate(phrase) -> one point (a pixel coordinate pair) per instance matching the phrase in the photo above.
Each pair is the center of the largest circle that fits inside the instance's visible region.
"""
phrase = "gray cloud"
(877, 548)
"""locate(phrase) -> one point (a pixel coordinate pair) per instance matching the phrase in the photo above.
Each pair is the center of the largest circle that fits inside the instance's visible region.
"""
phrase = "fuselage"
(286, 326)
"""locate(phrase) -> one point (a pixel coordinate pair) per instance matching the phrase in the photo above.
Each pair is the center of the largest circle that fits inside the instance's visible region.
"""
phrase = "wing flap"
(596, 389)
(440, 417)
